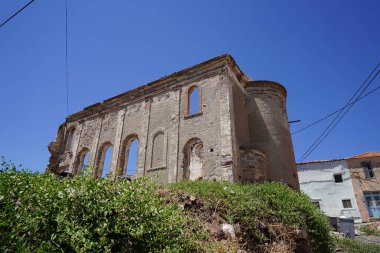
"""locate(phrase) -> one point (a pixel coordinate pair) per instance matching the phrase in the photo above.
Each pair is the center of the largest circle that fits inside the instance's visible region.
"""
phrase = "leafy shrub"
(264, 212)
(42, 213)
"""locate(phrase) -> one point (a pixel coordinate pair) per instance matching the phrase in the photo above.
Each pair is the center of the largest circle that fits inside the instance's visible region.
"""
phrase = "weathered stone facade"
(239, 133)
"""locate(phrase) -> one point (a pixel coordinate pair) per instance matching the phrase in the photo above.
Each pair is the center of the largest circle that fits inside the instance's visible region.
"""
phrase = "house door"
(373, 203)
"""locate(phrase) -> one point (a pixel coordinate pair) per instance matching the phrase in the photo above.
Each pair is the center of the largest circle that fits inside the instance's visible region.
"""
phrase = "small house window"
(317, 203)
(377, 200)
(347, 203)
(369, 201)
(368, 170)
(338, 178)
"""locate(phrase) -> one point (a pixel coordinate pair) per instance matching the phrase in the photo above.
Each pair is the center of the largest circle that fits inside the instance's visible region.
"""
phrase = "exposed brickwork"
(241, 125)
(362, 184)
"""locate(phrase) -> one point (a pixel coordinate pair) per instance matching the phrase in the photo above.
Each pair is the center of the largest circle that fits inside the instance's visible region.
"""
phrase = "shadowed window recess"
(368, 170)
(338, 178)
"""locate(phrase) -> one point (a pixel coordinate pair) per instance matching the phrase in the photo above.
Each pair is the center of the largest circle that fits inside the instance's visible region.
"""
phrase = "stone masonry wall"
(172, 143)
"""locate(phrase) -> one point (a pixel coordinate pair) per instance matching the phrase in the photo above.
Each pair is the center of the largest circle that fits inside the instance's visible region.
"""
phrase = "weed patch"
(269, 216)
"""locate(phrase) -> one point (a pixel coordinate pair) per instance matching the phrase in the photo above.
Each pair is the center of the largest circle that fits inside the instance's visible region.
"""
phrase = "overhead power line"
(336, 123)
(333, 113)
(338, 118)
(20, 10)
(67, 64)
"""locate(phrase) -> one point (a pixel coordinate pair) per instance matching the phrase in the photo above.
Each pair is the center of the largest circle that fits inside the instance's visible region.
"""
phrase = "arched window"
(104, 160)
(130, 168)
(82, 161)
(193, 159)
(128, 156)
(107, 162)
(85, 162)
(158, 150)
(194, 105)
(70, 139)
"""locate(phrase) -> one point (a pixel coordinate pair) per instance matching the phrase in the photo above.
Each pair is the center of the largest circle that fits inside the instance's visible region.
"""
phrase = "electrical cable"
(20, 10)
(328, 129)
(67, 64)
(336, 123)
(333, 113)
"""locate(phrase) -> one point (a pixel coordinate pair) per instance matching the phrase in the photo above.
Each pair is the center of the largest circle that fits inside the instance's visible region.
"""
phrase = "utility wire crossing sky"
(342, 112)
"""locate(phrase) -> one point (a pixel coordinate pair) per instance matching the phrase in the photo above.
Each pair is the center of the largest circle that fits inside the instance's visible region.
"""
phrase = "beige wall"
(269, 130)
(235, 119)
(362, 184)
(163, 127)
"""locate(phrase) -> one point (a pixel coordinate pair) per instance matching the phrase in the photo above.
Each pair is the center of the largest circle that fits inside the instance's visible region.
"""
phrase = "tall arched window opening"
(70, 139)
(131, 161)
(194, 103)
(82, 161)
(85, 162)
(158, 152)
(128, 157)
(193, 159)
(104, 160)
(107, 162)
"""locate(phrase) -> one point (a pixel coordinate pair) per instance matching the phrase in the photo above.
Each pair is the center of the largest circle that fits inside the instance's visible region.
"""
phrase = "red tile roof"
(365, 155)
(321, 161)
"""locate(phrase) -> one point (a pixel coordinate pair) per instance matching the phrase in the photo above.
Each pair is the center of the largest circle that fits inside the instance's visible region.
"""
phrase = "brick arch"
(192, 163)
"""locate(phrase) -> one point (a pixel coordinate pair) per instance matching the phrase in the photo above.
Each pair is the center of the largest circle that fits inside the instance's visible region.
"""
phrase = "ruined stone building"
(239, 130)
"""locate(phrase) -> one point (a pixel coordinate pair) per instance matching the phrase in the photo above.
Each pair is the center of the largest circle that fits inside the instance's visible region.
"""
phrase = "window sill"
(193, 115)
(156, 168)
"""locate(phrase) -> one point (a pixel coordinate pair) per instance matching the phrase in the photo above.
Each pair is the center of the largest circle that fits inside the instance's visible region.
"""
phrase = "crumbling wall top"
(270, 84)
(159, 85)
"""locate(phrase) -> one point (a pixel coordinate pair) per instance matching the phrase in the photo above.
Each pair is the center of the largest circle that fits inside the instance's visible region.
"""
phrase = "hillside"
(43, 213)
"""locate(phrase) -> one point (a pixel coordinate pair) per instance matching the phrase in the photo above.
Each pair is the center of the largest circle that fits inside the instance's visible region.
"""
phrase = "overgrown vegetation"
(369, 230)
(44, 213)
(355, 246)
(271, 217)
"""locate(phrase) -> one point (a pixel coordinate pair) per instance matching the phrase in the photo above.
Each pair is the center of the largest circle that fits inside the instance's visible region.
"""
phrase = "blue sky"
(321, 51)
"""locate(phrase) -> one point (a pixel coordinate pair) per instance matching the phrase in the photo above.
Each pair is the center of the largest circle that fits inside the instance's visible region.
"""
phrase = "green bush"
(43, 213)
(258, 206)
